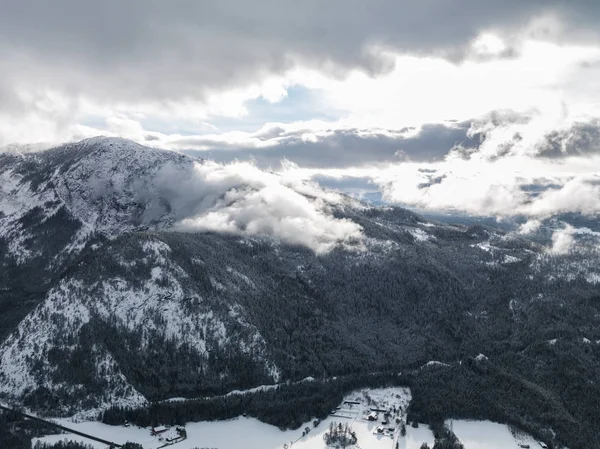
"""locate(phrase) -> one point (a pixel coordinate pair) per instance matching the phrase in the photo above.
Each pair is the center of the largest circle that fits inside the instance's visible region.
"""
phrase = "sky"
(485, 107)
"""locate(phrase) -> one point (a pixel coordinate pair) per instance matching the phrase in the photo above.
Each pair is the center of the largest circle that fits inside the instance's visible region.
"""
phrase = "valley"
(123, 299)
(353, 411)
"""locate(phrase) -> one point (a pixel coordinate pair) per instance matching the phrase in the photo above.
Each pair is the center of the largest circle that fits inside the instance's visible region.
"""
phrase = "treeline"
(287, 406)
(346, 314)
(62, 445)
(77, 445)
(478, 389)
(17, 432)
(472, 389)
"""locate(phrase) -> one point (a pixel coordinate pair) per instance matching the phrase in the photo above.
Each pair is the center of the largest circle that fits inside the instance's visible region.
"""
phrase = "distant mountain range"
(107, 297)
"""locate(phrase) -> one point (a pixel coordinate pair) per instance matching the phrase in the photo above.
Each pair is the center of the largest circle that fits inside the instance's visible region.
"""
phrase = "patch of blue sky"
(300, 104)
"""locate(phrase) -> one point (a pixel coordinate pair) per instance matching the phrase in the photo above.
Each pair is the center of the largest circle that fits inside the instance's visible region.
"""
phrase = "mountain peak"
(117, 147)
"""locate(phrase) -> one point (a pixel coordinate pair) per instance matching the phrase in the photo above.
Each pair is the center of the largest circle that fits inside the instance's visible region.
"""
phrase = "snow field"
(250, 433)
(488, 435)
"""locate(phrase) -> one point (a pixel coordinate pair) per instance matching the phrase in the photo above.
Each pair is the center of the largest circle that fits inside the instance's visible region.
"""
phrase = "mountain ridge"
(133, 307)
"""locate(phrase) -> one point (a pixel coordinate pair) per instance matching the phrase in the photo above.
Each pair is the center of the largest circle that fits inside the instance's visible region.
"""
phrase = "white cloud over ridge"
(562, 241)
(241, 199)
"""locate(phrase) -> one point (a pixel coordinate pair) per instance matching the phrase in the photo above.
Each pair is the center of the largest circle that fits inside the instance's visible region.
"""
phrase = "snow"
(496, 253)
(250, 433)
(485, 246)
(421, 236)
(17, 199)
(416, 437)
(488, 435)
(154, 303)
(241, 276)
(231, 393)
(434, 363)
(593, 278)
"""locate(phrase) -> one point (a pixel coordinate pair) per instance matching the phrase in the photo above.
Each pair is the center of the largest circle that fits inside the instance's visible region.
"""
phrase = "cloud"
(72, 62)
(241, 199)
(201, 45)
(579, 138)
(497, 164)
(508, 173)
(330, 147)
(530, 227)
(509, 187)
(407, 89)
(500, 175)
(563, 240)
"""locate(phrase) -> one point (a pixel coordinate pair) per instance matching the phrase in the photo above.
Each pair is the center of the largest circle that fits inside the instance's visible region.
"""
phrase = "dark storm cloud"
(155, 50)
(340, 148)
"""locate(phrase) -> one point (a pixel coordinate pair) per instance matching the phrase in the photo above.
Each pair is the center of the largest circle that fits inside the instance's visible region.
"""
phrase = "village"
(382, 413)
(365, 419)
(377, 419)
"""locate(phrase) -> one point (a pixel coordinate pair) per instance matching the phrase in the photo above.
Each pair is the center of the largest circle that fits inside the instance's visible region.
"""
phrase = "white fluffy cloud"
(563, 240)
(515, 171)
(530, 226)
(508, 187)
(241, 199)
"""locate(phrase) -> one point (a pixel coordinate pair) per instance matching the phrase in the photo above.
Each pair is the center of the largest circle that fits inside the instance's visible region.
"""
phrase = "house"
(544, 445)
(158, 430)
(372, 416)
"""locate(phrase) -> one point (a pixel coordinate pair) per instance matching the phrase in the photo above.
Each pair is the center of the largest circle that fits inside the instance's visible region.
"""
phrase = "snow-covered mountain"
(95, 186)
(131, 274)
(58, 204)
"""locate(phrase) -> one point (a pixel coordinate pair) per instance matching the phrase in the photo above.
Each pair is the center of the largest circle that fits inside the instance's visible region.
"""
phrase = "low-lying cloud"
(508, 173)
(241, 199)
(563, 240)
(502, 164)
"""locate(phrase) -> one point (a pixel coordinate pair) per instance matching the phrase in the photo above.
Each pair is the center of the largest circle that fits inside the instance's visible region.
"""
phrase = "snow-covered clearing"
(250, 433)
(420, 236)
(489, 435)
(238, 392)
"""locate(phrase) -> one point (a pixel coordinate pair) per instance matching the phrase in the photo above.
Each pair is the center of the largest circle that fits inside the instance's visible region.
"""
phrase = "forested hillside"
(111, 299)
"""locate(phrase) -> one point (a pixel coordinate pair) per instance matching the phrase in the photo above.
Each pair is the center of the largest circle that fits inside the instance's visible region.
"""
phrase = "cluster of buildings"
(165, 434)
